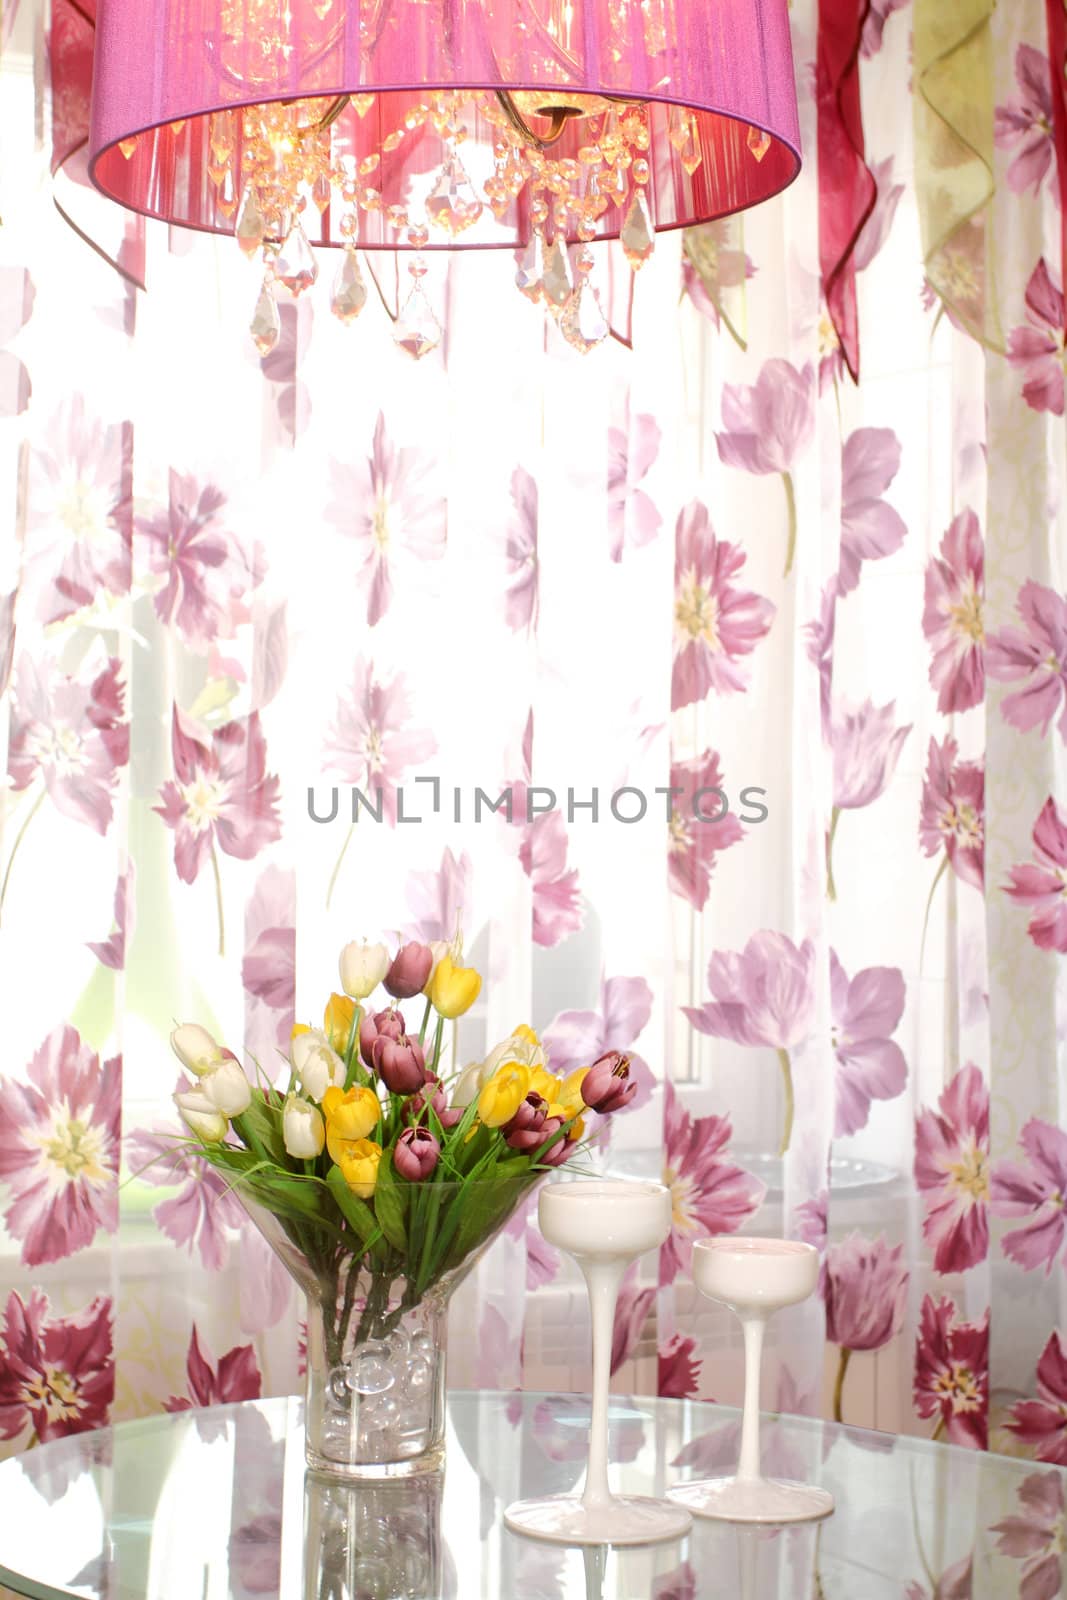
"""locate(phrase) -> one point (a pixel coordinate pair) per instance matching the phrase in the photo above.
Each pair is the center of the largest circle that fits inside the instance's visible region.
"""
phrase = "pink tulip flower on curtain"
(1034, 1191)
(952, 1172)
(1035, 655)
(866, 748)
(870, 1064)
(40, 1350)
(1042, 1423)
(952, 1373)
(864, 1284)
(871, 528)
(1040, 884)
(700, 826)
(716, 622)
(709, 1193)
(1033, 1536)
(1036, 345)
(953, 616)
(203, 575)
(766, 427)
(1024, 124)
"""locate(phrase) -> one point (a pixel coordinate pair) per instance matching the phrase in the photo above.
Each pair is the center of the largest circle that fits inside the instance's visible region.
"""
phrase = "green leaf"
(356, 1212)
(389, 1204)
(260, 1127)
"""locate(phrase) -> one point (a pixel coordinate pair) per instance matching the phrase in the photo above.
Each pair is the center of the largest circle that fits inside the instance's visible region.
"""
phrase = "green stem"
(337, 867)
(929, 904)
(346, 1309)
(791, 507)
(18, 840)
(218, 900)
(790, 1104)
(839, 1381)
(831, 887)
(438, 1032)
(425, 1020)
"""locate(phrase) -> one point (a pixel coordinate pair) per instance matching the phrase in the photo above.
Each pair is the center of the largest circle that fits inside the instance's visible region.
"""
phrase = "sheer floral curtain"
(803, 641)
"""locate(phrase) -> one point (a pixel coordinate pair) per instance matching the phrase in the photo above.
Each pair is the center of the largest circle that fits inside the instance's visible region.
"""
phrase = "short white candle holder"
(604, 1224)
(755, 1278)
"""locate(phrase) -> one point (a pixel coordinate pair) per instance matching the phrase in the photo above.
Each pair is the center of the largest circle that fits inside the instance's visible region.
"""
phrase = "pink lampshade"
(716, 77)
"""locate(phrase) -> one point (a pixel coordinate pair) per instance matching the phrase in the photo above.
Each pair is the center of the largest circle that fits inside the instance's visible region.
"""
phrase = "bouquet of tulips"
(371, 1160)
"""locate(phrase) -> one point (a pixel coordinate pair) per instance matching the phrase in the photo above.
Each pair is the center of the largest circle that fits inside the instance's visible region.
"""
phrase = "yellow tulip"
(503, 1095)
(350, 1116)
(359, 1166)
(548, 1087)
(454, 989)
(297, 1029)
(575, 1131)
(570, 1094)
(337, 1021)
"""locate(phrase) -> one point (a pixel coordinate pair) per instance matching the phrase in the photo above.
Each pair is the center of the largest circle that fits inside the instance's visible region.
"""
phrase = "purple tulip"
(561, 1150)
(399, 1063)
(604, 1087)
(433, 1094)
(415, 1154)
(525, 1131)
(411, 967)
(382, 1025)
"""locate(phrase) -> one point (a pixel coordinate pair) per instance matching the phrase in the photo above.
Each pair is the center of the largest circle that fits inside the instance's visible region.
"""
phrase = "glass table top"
(208, 1505)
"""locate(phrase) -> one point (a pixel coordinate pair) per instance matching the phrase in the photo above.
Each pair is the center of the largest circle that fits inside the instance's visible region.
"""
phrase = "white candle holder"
(755, 1278)
(604, 1224)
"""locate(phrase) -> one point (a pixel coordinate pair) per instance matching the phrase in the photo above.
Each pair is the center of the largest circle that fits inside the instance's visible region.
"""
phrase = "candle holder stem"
(602, 1280)
(748, 1466)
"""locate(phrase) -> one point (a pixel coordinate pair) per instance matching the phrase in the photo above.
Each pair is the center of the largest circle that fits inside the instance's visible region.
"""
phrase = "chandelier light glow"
(539, 126)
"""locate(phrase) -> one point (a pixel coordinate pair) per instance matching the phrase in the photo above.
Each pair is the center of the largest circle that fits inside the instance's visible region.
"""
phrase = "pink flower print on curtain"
(874, 27)
(1025, 124)
(632, 1311)
(557, 901)
(701, 825)
(1035, 1191)
(389, 508)
(870, 527)
(820, 652)
(953, 620)
(198, 1216)
(1038, 653)
(1035, 1536)
(268, 970)
(372, 743)
(709, 1194)
(111, 952)
(952, 1172)
(80, 512)
(221, 794)
(59, 1150)
(865, 1288)
(440, 900)
(1036, 346)
(520, 550)
(716, 623)
(955, 1583)
(202, 572)
(866, 749)
(952, 1373)
(633, 519)
(576, 1039)
(1042, 884)
(952, 816)
(763, 996)
(57, 1374)
(678, 1367)
(768, 426)
(877, 228)
(870, 1064)
(235, 1377)
(1042, 1423)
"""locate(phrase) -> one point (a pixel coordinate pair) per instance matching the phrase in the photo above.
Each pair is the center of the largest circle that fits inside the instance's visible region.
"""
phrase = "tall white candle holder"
(604, 1224)
(755, 1278)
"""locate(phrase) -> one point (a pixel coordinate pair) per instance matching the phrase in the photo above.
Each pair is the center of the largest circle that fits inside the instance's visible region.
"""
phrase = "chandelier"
(536, 126)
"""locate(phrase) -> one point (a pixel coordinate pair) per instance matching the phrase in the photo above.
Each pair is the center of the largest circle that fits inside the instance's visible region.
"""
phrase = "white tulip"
(195, 1048)
(316, 1064)
(227, 1088)
(303, 1129)
(363, 966)
(201, 1116)
(468, 1086)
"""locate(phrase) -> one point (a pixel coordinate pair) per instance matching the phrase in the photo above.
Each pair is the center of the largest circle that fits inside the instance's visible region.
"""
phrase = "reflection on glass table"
(209, 1505)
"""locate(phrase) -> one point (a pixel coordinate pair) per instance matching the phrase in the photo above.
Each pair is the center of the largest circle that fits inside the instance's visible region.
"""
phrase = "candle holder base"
(771, 1500)
(624, 1520)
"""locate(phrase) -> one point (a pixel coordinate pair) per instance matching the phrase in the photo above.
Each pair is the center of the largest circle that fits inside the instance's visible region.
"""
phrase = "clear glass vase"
(377, 1330)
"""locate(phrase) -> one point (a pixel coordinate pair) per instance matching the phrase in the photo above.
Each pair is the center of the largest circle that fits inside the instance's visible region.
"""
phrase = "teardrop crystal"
(583, 323)
(321, 192)
(452, 203)
(295, 263)
(250, 226)
(638, 236)
(417, 330)
(266, 323)
(556, 283)
(349, 294)
(528, 275)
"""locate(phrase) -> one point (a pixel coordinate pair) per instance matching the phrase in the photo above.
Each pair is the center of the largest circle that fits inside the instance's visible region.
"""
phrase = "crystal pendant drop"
(417, 330)
(528, 275)
(250, 226)
(349, 291)
(638, 237)
(266, 323)
(452, 203)
(556, 283)
(295, 263)
(583, 323)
